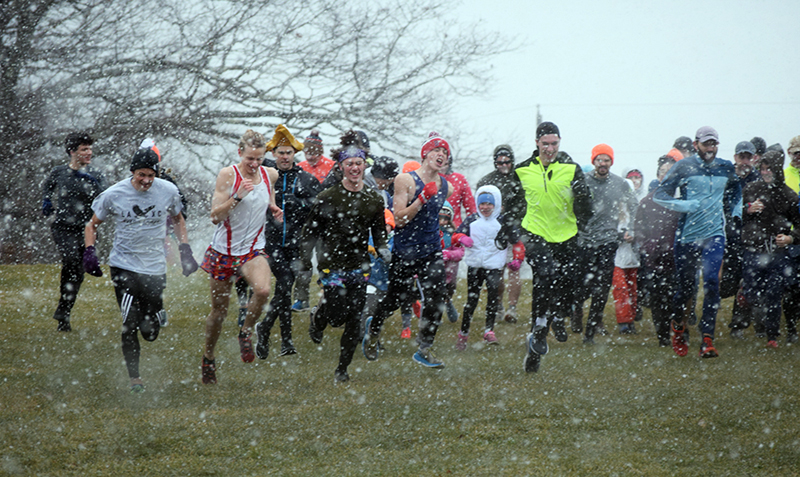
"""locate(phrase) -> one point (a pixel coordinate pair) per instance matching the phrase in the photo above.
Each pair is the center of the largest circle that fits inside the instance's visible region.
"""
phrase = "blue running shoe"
(427, 359)
(299, 306)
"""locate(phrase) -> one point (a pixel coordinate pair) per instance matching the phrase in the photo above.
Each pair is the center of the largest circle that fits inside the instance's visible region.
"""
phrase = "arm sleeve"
(378, 227)
(581, 198)
(310, 232)
(467, 198)
(665, 194)
(49, 186)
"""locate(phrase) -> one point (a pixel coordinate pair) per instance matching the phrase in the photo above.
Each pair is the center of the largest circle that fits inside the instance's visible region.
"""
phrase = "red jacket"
(461, 196)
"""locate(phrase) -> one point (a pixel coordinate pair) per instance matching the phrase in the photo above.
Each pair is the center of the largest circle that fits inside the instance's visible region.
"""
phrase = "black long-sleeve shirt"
(343, 221)
(72, 193)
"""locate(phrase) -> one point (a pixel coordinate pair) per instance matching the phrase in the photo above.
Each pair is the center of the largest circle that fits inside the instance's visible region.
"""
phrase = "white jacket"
(483, 230)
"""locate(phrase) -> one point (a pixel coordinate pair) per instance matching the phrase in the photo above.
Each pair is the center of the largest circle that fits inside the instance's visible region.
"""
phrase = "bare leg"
(258, 274)
(220, 297)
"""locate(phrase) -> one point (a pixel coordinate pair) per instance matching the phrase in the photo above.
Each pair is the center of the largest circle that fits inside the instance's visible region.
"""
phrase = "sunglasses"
(503, 163)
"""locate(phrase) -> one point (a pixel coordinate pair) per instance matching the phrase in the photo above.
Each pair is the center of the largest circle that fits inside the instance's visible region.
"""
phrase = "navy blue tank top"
(420, 237)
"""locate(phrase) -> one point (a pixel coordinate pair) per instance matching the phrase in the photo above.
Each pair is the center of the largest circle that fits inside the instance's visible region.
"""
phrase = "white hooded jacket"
(483, 231)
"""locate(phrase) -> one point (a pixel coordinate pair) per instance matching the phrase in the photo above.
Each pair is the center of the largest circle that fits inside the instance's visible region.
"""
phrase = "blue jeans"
(689, 257)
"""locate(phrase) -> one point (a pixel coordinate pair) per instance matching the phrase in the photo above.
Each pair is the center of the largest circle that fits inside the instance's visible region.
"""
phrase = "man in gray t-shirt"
(140, 207)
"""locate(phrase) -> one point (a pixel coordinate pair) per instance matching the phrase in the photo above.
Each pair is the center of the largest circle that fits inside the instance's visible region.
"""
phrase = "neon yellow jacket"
(556, 199)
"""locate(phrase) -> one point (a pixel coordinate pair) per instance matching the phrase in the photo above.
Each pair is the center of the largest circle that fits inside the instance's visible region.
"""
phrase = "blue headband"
(485, 197)
(351, 151)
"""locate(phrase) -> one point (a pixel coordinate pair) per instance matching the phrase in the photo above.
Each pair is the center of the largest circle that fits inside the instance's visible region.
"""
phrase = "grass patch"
(621, 407)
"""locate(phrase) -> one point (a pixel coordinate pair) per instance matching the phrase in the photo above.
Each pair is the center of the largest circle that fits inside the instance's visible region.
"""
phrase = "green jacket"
(554, 201)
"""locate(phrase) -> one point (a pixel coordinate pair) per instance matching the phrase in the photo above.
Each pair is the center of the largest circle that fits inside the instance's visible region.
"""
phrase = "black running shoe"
(262, 340)
(287, 348)
(63, 325)
(560, 330)
(340, 376)
(532, 358)
(538, 340)
(313, 333)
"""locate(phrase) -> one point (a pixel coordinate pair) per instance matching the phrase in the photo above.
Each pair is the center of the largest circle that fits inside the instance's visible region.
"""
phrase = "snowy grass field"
(621, 407)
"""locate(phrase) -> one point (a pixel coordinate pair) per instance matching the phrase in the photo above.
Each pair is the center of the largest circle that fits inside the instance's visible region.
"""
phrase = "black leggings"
(280, 307)
(70, 245)
(140, 299)
(342, 305)
(430, 271)
(475, 279)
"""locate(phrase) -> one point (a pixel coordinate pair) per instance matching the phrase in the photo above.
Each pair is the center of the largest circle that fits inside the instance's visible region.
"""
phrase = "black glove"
(47, 208)
(188, 263)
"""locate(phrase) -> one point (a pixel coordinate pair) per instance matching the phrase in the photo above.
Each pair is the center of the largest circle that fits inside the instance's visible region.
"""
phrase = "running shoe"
(246, 348)
(490, 338)
(287, 348)
(680, 340)
(63, 325)
(262, 340)
(299, 306)
(772, 344)
(137, 388)
(209, 369)
(427, 359)
(537, 340)
(452, 313)
(791, 338)
(340, 376)
(406, 333)
(532, 358)
(313, 333)
(511, 315)
(370, 344)
(461, 341)
(707, 349)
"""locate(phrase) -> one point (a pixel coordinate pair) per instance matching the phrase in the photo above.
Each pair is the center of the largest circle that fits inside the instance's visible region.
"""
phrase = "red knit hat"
(603, 149)
(434, 140)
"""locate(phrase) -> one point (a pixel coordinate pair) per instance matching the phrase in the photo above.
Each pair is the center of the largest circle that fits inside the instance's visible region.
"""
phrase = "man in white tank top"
(242, 198)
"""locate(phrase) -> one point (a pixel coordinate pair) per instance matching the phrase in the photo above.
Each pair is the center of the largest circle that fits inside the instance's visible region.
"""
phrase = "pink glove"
(428, 191)
(514, 265)
(466, 241)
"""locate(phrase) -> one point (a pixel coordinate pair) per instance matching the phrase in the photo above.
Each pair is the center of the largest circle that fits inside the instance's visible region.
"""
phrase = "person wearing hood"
(636, 179)
(771, 222)
(599, 240)
(504, 178)
(295, 191)
(553, 203)
(485, 261)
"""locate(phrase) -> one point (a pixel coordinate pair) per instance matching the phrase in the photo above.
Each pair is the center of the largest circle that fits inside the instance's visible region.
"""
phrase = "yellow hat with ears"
(283, 137)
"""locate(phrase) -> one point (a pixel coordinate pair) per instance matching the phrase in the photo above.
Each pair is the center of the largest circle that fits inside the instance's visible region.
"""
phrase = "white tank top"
(243, 230)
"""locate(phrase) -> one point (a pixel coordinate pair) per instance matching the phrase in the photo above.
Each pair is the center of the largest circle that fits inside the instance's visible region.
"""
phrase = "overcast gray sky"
(636, 75)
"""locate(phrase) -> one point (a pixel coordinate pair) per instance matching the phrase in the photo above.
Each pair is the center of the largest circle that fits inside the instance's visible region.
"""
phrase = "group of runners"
(354, 211)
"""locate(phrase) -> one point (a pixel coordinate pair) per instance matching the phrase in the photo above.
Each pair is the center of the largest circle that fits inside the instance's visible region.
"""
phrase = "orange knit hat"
(603, 149)
(411, 166)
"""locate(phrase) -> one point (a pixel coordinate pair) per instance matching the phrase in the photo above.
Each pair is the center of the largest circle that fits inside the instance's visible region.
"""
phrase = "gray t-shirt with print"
(141, 224)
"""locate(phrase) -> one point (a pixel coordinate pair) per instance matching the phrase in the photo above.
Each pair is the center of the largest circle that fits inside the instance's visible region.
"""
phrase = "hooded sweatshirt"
(780, 209)
(483, 231)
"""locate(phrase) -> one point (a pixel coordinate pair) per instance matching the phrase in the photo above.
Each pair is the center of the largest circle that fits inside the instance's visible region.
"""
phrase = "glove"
(428, 191)
(47, 208)
(188, 263)
(91, 264)
(514, 265)
(385, 254)
(466, 241)
(518, 251)
(371, 250)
